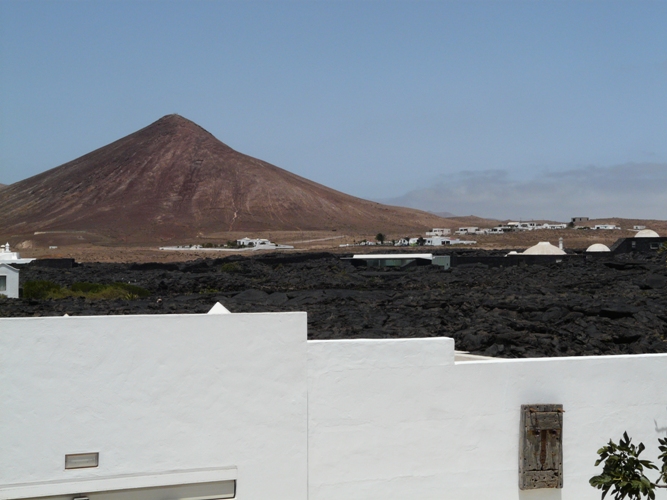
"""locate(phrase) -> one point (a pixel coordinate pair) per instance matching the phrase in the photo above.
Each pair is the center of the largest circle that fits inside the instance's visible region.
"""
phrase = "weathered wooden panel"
(541, 447)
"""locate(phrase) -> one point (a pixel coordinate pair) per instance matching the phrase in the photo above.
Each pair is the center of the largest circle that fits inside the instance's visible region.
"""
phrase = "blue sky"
(472, 102)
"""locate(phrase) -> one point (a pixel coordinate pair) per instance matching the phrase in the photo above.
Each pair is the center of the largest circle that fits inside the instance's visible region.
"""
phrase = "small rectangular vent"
(82, 460)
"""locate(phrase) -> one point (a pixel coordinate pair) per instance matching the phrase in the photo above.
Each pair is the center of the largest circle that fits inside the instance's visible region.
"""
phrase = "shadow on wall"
(661, 426)
(541, 494)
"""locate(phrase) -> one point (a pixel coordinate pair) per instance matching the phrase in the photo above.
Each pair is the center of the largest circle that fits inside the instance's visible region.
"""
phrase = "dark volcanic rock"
(565, 309)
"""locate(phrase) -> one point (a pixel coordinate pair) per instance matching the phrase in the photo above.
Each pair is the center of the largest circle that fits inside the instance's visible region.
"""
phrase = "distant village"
(434, 238)
(442, 236)
(237, 245)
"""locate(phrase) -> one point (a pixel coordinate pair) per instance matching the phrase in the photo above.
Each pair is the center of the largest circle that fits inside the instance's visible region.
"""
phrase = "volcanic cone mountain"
(174, 179)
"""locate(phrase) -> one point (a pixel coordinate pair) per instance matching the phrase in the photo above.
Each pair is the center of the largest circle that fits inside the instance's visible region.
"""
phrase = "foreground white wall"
(183, 399)
(163, 399)
(398, 419)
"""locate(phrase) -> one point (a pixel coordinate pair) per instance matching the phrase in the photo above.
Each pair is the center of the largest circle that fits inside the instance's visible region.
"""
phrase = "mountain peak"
(176, 122)
(175, 119)
(174, 179)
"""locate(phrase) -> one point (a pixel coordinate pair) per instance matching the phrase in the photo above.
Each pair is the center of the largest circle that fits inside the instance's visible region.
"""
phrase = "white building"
(9, 257)
(253, 242)
(598, 247)
(647, 233)
(9, 281)
(439, 231)
(606, 227)
(544, 248)
(261, 244)
(436, 241)
(467, 230)
(243, 406)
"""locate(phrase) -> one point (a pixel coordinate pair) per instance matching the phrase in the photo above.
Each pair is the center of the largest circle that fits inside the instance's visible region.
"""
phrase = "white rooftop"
(647, 233)
(598, 247)
(378, 256)
(544, 248)
(7, 256)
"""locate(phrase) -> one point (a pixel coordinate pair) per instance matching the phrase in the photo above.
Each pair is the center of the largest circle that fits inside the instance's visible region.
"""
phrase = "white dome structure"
(543, 248)
(598, 247)
(647, 233)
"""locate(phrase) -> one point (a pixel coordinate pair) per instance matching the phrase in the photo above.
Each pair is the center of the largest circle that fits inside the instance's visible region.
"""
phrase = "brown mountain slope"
(173, 179)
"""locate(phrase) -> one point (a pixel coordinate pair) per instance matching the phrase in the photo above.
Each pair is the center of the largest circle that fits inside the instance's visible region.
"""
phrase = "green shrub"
(133, 289)
(42, 290)
(92, 291)
(623, 470)
(87, 287)
(230, 267)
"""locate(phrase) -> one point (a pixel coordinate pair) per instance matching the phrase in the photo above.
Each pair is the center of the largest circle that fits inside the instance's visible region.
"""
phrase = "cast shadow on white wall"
(541, 494)
(661, 428)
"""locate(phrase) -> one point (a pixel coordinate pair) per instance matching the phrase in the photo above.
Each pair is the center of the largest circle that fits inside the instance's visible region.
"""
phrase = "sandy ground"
(330, 241)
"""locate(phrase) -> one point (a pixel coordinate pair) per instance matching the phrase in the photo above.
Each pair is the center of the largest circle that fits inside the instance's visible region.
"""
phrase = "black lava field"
(566, 309)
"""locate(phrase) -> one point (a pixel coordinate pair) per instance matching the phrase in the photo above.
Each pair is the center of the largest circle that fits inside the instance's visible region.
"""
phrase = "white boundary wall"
(183, 399)
(400, 419)
(163, 399)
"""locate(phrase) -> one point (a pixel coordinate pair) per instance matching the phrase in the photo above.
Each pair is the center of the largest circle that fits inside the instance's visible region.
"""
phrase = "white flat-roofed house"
(9, 281)
(252, 242)
(436, 241)
(9, 257)
(467, 230)
(260, 244)
(439, 231)
(606, 227)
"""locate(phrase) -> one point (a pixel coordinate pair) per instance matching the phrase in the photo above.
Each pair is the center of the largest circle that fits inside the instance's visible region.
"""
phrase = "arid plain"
(90, 247)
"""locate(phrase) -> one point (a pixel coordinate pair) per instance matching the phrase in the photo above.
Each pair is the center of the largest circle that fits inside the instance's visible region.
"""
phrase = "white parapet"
(218, 308)
(244, 403)
(161, 399)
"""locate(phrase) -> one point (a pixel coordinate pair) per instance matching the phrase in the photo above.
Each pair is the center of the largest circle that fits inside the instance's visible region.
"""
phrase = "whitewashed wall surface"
(400, 419)
(9, 281)
(164, 400)
(196, 399)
